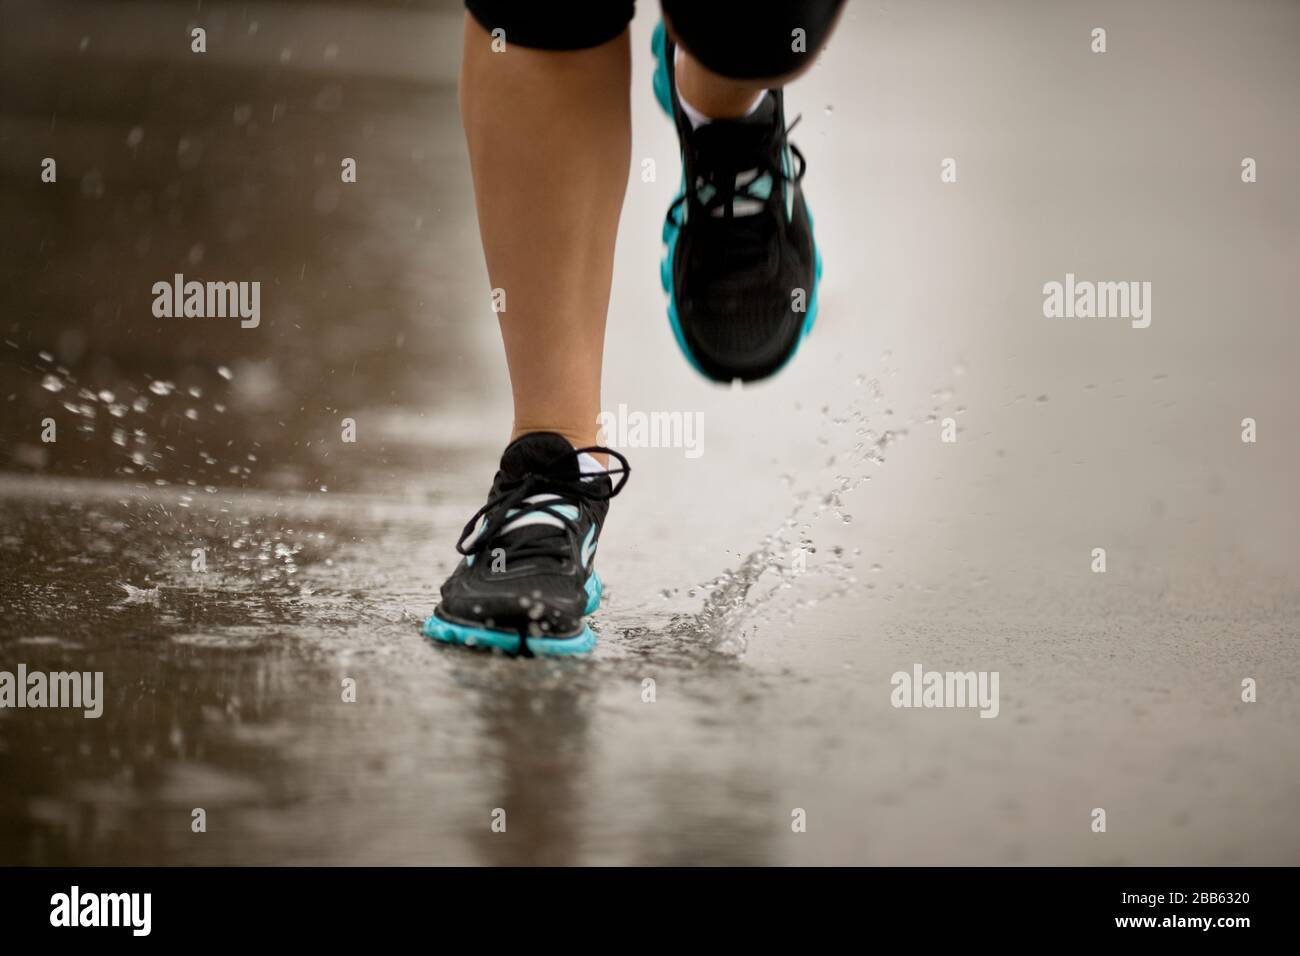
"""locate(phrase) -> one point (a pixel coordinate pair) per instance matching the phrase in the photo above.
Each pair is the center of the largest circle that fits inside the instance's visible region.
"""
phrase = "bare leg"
(549, 137)
(713, 94)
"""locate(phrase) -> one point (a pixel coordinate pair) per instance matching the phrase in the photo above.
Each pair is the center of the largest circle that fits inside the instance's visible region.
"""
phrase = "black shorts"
(743, 39)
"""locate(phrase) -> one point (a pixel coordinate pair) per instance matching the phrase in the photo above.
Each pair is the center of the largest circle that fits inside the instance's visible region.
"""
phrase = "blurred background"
(1118, 690)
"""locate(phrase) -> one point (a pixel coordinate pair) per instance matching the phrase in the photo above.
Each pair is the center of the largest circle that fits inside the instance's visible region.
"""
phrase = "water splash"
(135, 595)
(737, 602)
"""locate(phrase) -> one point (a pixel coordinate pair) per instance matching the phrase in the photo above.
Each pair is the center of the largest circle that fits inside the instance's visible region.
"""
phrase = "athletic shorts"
(742, 39)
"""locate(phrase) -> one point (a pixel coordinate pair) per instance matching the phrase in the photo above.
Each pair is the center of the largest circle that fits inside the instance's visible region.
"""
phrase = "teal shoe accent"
(659, 47)
(468, 635)
(584, 643)
(760, 188)
(672, 228)
(565, 511)
(595, 590)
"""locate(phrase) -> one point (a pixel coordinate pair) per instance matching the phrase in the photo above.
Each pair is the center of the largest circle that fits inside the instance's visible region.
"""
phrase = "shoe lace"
(723, 181)
(509, 503)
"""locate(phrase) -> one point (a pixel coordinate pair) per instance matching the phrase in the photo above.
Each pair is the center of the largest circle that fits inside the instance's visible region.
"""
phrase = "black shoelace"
(510, 497)
(723, 181)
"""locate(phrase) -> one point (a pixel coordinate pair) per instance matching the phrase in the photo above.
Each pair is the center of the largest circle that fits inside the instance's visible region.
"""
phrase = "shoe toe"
(537, 606)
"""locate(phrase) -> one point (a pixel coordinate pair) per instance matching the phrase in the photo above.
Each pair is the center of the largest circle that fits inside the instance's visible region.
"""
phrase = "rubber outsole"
(512, 642)
(663, 95)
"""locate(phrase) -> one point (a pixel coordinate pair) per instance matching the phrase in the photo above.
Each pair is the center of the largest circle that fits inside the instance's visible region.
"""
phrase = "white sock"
(697, 118)
(588, 465)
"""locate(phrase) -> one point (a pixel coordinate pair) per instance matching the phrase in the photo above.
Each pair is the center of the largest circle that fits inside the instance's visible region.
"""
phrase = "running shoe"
(527, 581)
(740, 266)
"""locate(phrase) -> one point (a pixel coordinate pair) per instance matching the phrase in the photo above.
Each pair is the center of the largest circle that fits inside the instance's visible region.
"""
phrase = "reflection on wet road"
(226, 690)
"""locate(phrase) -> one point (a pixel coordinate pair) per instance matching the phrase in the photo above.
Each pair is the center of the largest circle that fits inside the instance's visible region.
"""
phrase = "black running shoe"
(740, 267)
(527, 581)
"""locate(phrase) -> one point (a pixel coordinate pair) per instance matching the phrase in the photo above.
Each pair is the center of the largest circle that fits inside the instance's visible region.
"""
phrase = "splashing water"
(738, 601)
(135, 595)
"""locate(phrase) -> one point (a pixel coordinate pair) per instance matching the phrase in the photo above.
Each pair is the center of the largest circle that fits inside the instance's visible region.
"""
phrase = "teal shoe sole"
(469, 635)
(672, 228)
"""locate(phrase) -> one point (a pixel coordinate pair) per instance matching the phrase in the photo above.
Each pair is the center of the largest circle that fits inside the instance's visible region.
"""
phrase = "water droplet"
(92, 184)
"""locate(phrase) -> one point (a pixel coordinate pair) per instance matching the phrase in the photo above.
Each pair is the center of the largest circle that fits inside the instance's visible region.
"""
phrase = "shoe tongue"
(542, 453)
(736, 144)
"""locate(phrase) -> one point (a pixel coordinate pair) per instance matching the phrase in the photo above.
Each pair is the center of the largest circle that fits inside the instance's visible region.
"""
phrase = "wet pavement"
(762, 594)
